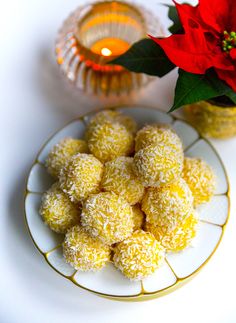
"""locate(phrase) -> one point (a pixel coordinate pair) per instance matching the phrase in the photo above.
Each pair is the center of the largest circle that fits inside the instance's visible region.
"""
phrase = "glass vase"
(211, 119)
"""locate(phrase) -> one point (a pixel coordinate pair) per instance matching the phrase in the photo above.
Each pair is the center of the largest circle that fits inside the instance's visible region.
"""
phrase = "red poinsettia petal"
(233, 53)
(191, 53)
(180, 53)
(190, 16)
(187, 14)
(218, 14)
(229, 77)
(232, 22)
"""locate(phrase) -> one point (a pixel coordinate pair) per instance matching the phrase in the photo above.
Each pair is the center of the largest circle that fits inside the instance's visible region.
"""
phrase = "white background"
(34, 103)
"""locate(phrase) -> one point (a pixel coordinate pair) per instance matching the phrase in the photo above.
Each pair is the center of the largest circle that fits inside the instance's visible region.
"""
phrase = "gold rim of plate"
(143, 295)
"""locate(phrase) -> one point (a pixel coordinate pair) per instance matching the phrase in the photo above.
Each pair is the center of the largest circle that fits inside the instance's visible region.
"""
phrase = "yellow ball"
(81, 176)
(138, 217)
(139, 255)
(119, 177)
(177, 239)
(83, 252)
(111, 116)
(108, 217)
(58, 212)
(155, 134)
(200, 178)
(158, 164)
(110, 140)
(63, 151)
(168, 205)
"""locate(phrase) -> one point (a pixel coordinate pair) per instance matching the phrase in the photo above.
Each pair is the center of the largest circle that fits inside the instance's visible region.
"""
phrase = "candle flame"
(106, 51)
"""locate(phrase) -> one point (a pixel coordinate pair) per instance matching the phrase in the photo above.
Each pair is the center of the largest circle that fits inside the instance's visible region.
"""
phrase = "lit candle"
(106, 51)
(110, 47)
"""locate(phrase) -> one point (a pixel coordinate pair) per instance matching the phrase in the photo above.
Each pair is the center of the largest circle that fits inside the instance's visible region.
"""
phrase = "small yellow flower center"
(229, 41)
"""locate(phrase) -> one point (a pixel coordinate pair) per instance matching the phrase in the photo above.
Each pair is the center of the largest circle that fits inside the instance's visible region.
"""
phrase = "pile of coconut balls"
(124, 196)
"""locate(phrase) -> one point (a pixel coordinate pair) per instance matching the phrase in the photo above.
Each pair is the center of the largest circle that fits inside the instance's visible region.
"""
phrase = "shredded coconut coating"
(81, 176)
(138, 256)
(155, 134)
(138, 216)
(108, 217)
(57, 211)
(111, 116)
(177, 239)
(63, 151)
(83, 252)
(110, 140)
(200, 178)
(119, 177)
(168, 205)
(158, 164)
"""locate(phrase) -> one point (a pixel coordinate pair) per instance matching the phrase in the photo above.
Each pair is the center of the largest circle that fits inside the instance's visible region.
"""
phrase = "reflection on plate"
(179, 267)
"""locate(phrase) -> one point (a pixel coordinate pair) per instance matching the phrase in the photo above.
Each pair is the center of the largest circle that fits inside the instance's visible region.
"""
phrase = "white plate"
(179, 267)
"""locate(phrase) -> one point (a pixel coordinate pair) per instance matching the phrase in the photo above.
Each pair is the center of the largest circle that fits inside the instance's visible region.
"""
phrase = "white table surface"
(35, 103)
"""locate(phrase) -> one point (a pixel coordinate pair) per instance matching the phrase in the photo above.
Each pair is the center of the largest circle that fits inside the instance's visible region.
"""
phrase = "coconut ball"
(57, 211)
(168, 205)
(63, 151)
(155, 134)
(139, 255)
(177, 239)
(81, 176)
(110, 140)
(138, 217)
(83, 252)
(111, 116)
(158, 164)
(119, 177)
(200, 178)
(108, 217)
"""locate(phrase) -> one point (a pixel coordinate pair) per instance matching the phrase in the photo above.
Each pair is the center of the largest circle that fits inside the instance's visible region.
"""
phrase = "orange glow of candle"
(110, 47)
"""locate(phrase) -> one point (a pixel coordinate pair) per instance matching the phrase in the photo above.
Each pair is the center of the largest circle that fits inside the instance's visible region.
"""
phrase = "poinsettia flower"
(208, 41)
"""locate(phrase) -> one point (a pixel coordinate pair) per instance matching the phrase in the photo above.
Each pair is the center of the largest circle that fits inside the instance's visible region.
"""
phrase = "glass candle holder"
(95, 34)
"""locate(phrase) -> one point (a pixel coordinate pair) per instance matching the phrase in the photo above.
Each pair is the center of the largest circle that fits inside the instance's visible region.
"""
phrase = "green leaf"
(147, 57)
(191, 88)
(220, 86)
(232, 96)
(173, 16)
